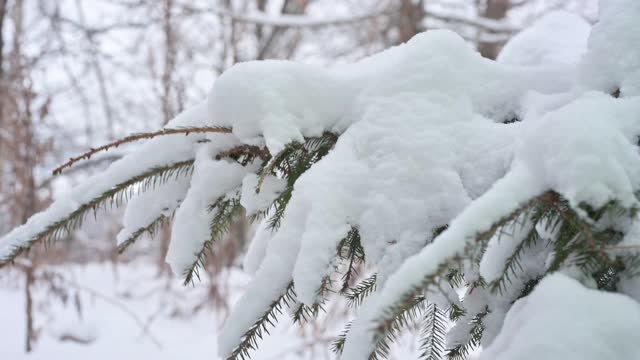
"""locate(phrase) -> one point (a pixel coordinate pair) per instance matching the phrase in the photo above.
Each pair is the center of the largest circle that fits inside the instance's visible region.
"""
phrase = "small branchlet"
(135, 137)
(113, 197)
(269, 319)
(226, 209)
(434, 332)
(356, 295)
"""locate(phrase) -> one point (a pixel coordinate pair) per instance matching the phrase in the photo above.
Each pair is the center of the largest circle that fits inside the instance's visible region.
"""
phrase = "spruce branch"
(338, 345)
(113, 197)
(432, 342)
(410, 314)
(151, 229)
(226, 209)
(351, 251)
(140, 136)
(387, 322)
(256, 332)
(292, 162)
(356, 295)
(462, 351)
(512, 264)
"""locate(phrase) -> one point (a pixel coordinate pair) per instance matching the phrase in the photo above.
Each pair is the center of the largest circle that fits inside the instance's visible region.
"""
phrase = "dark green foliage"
(290, 164)
(350, 251)
(304, 313)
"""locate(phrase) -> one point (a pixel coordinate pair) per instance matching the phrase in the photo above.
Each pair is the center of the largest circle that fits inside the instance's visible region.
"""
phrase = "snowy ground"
(118, 303)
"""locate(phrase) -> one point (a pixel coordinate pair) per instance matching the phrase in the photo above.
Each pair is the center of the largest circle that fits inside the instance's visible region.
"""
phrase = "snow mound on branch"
(557, 38)
(600, 325)
(587, 150)
(278, 102)
(252, 200)
(611, 65)
(146, 207)
(211, 179)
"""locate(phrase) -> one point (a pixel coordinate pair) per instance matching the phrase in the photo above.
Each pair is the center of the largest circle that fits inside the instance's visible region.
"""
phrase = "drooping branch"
(114, 196)
(387, 323)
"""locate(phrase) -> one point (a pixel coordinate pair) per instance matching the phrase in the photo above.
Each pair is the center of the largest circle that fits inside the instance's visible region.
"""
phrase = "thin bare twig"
(141, 136)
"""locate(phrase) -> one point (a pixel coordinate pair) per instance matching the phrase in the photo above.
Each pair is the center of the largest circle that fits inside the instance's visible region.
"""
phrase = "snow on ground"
(157, 303)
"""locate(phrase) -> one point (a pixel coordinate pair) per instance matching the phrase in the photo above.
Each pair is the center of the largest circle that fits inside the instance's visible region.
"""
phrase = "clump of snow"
(279, 101)
(613, 59)
(211, 179)
(146, 207)
(258, 195)
(586, 150)
(587, 325)
(559, 37)
(257, 248)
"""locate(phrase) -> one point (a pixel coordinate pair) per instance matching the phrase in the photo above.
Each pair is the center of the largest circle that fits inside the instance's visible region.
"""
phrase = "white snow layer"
(211, 179)
(587, 325)
(423, 143)
(147, 206)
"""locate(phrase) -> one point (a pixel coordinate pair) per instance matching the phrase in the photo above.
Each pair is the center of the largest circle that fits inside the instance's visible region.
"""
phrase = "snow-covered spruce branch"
(151, 229)
(250, 338)
(412, 311)
(387, 325)
(338, 344)
(115, 196)
(434, 331)
(356, 295)
(474, 336)
(137, 137)
(350, 251)
(226, 209)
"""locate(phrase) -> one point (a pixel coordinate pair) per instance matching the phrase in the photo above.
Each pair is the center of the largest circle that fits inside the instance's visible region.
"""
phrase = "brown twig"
(141, 136)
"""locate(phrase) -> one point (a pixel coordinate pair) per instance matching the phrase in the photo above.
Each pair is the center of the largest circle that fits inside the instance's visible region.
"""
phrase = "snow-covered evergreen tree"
(494, 202)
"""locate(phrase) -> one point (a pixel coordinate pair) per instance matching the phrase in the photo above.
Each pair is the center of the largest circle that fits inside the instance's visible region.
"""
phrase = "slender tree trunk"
(30, 335)
(496, 10)
(168, 110)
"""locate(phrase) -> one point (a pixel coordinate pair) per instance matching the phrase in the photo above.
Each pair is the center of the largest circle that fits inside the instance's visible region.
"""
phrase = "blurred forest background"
(78, 73)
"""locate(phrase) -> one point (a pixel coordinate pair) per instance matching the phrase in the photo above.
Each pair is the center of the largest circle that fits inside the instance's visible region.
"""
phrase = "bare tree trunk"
(496, 10)
(410, 19)
(30, 336)
(168, 110)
